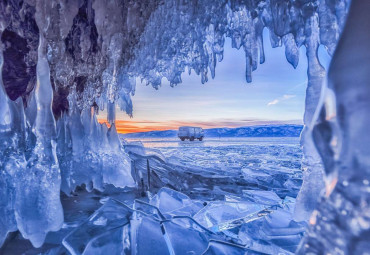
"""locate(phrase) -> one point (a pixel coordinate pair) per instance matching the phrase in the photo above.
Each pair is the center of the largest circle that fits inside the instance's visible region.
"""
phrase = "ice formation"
(32, 174)
(159, 227)
(63, 60)
(341, 221)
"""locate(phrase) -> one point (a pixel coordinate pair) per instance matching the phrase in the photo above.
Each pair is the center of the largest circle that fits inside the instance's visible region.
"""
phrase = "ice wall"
(341, 222)
(34, 164)
(7, 153)
(93, 50)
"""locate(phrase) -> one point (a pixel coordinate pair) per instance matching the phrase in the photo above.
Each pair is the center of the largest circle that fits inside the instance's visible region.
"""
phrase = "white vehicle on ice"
(190, 133)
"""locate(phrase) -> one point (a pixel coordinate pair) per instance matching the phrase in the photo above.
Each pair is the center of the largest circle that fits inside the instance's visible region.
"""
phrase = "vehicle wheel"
(191, 138)
(182, 139)
(201, 139)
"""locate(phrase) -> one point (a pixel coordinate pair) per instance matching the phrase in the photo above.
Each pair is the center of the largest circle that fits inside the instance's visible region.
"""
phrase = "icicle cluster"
(37, 162)
(90, 153)
(75, 55)
(97, 48)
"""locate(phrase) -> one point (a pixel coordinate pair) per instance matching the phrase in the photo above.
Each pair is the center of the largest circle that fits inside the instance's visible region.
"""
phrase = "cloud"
(280, 99)
(286, 97)
(275, 101)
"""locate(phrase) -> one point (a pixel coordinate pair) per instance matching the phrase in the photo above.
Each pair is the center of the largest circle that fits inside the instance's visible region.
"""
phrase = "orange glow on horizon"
(130, 126)
(125, 127)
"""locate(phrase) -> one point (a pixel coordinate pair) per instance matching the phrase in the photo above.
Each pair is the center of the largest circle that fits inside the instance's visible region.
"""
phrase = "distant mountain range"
(252, 131)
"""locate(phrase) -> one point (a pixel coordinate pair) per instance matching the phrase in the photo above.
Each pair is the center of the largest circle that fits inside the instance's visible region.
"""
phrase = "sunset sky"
(275, 96)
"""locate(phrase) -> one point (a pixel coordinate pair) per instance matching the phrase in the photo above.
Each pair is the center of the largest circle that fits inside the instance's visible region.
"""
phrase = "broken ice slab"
(253, 176)
(293, 184)
(289, 200)
(112, 215)
(184, 235)
(219, 215)
(262, 197)
(112, 242)
(283, 181)
(289, 204)
(182, 239)
(219, 248)
(189, 222)
(150, 236)
(255, 239)
(188, 210)
(168, 200)
(275, 233)
(148, 209)
(147, 237)
(139, 150)
(282, 230)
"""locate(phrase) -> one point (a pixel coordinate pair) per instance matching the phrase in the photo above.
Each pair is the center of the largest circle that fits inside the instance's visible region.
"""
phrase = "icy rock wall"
(8, 166)
(341, 222)
(30, 185)
(32, 151)
(93, 50)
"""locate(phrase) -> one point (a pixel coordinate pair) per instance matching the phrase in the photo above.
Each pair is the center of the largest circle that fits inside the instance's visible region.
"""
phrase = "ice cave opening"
(70, 185)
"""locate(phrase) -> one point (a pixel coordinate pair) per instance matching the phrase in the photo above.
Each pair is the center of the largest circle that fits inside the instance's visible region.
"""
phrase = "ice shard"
(103, 229)
(217, 247)
(145, 229)
(220, 216)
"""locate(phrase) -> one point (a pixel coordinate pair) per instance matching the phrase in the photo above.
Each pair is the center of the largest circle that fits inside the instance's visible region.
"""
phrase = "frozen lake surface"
(231, 165)
(248, 185)
(217, 142)
(231, 154)
(229, 195)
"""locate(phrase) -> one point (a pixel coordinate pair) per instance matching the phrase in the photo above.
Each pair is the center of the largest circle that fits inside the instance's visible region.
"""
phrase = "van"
(190, 133)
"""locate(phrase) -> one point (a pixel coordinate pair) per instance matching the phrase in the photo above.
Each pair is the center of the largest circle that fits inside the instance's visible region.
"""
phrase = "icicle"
(38, 206)
(248, 68)
(204, 77)
(116, 163)
(261, 48)
(7, 219)
(313, 175)
(111, 116)
(64, 154)
(6, 119)
(274, 39)
(291, 50)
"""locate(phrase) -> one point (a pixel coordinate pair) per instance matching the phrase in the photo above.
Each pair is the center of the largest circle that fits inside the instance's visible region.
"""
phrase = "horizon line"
(129, 127)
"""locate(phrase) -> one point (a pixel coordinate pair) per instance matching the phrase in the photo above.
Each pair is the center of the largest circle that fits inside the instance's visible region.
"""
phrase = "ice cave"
(70, 185)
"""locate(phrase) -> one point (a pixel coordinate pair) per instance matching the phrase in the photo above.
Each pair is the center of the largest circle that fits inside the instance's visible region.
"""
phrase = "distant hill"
(252, 131)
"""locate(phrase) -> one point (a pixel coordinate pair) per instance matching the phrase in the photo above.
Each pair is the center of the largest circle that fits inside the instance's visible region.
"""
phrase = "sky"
(275, 96)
